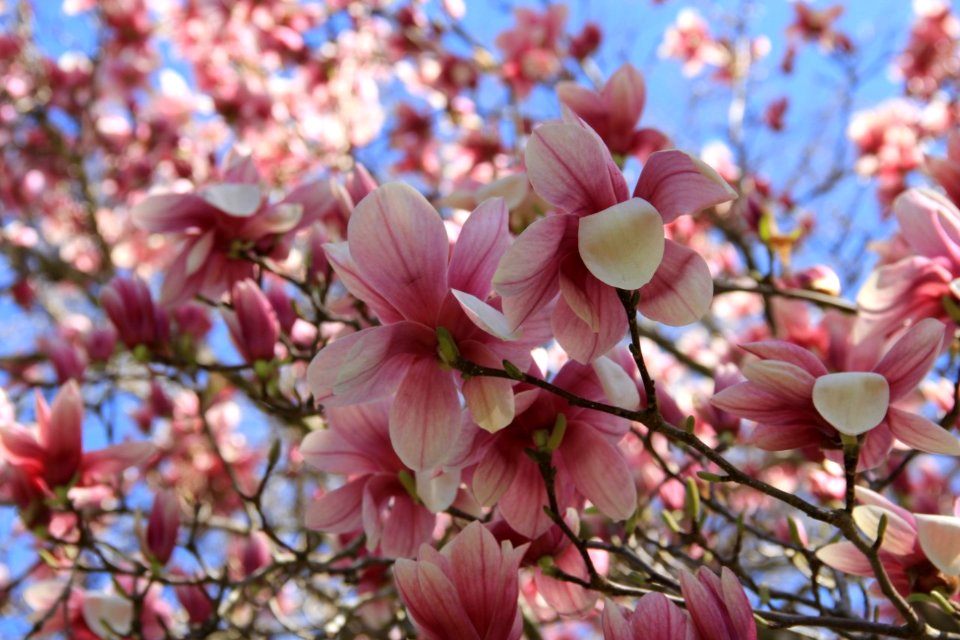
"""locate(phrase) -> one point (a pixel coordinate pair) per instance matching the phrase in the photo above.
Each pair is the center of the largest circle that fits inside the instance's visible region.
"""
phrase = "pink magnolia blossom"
(689, 40)
(600, 239)
(398, 261)
(920, 552)
(614, 111)
(468, 590)
(212, 225)
(924, 283)
(252, 322)
(163, 524)
(531, 50)
(130, 307)
(718, 609)
(53, 455)
(587, 460)
(798, 403)
(946, 170)
(375, 500)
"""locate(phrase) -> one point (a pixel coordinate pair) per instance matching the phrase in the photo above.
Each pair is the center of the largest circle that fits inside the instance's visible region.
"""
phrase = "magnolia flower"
(601, 239)
(798, 403)
(252, 322)
(398, 261)
(468, 590)
(718, 610)
(614, 111)
(919, 552)
(160, 538)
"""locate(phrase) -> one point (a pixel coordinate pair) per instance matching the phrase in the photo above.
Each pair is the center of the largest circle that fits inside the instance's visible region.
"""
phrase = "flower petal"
(492, 477)
(678, 184)
(599, 471)
(622, 245)
(900, 536)
(920, 433)
(788, 352)
(490, 400)
(485, 316)
(425, 419)
(681, 289)
(853, 402)
(940, 540)
(338, 254)
(171, 212)
(912, 357)
(238, 200)
(431, 600)
(582, 343)
(338, 511)
(844, 556)
(107, 616)
(625, 94)
(438, 490)
(369, 364)
(619, 388)
(400, 247)
(929, 223)
(569, 166)
(526, 277)
(483, 240)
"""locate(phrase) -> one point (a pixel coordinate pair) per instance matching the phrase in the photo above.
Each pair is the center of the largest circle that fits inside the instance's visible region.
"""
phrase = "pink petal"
(198, 252)
(869, 497)
(21, 448)
(484, 239)
(657, 617)
(579, 340)
(338, 511)
(425, 418)
(599, 471)
(432, 601)
(586, 296)
(911, 358)
(112, 460)
(738, 606)
(403, 524)
(787, 380)
(899, 537)
(681, 290)
(490, 400)
(567, 598)
(522, 504)
(61, 435)
(484, 577)
(843, 556)
(369, 364)
(527, 275)
(587, 104)
(338, 253)
(625, 94)
(945, 171)
(399, 245)
(171, 212)
(329, 451)
(492, 476)
(783, 437)
(754, 402)
(438, 490)
(365, 427)
(571, 169)
(920, 433)
(614, 624)
(678, 184)
(788, 352)
(930, 223)
(705, 608)
(623, 244)
(940, 540)
(619, 388)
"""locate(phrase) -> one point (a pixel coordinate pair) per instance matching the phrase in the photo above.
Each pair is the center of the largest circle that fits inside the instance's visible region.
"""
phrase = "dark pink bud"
(195, 600)
(586, 42)
(282, 305)
(193, 320)
(161, 536)
(61, 434)
(253, 323)
(130, 307)
(68, 361)
(255, 553)
(100, 343)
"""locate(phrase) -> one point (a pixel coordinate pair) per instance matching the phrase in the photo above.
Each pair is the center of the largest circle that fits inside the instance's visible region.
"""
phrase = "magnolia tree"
(373, 319)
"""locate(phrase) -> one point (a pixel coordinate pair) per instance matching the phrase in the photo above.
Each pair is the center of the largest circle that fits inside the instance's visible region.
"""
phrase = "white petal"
(241, 200)
(899, 537)
(485, 316)
(107, 616)
(853, 402)
(940, 540)
(618, 386)
(438, 491)
(623, 245)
